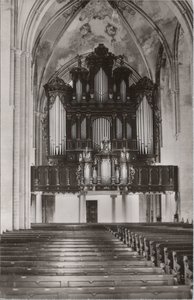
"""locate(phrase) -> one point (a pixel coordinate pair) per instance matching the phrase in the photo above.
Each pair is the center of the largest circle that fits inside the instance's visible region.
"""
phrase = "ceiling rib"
(52, 20)
(72, 17)
(135, 39)
(153, 25)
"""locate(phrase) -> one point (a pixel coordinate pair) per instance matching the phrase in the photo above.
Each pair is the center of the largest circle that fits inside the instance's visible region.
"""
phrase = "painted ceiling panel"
(54, 8)
(163, 17)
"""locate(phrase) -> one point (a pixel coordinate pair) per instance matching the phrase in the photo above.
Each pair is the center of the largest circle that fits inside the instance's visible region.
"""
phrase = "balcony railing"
(141, 179)
(54, 178)
(78, 144)
(116, 144)
(128, 144)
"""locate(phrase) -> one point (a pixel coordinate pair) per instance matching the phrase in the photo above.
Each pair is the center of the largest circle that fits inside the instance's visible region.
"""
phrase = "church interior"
(96, 191)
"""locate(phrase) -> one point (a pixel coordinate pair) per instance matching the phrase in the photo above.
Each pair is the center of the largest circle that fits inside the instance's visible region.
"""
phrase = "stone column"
(29, 138)
(16, 144)
(6, 114)
(113, 170)
(99, 171)
(22, 140)
(168, 207)
(113, 208)
(82, 200)
(39, 207)
(124, 207)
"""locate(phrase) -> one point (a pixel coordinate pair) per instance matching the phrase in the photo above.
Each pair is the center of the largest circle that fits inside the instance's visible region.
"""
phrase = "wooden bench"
(153, 241)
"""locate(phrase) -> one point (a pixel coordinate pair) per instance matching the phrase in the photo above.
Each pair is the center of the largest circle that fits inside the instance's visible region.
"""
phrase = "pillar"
(113, 170)
(82, 200)
(168, 207)
(16, 143)
(39, 207)
(33, 209)
(135, 208)
(22, 142)
(99, 171)
(124, 207)
(16, 126)
(6, 115)
(113, 208)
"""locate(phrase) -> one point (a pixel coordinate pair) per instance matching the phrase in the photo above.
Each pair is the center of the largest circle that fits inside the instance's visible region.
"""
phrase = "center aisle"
(78, 262)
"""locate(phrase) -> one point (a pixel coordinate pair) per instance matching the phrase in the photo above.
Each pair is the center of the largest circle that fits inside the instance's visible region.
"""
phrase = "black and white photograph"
(96, 149)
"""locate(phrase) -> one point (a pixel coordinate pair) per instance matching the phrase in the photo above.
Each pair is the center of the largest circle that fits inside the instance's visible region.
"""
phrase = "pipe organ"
(101, 122)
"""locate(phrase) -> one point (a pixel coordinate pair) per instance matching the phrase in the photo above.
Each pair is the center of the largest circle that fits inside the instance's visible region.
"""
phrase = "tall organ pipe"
(101, 130)
(101, 86)
(123, 90)
(57, 128)
(78, 90)
(144, 121)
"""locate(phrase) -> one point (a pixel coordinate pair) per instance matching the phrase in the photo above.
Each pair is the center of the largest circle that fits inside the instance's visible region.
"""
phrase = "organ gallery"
(102, 134)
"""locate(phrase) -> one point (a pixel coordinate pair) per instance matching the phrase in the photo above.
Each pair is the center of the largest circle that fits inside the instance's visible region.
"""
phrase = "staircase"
(56, 261)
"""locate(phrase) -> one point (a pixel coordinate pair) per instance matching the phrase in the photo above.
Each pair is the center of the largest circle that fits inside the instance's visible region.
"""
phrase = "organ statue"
(103, 129)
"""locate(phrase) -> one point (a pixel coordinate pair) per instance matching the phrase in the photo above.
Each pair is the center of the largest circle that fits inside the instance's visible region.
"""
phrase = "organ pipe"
(78, 90)
(83, 129)
(101, 130)
(101, 86)
(123, 90)
(144, 120)
(57, 128)
(119, 129)
(129, 131)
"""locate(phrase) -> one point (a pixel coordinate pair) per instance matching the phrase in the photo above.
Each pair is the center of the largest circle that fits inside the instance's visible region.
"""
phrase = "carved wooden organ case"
(99, 109)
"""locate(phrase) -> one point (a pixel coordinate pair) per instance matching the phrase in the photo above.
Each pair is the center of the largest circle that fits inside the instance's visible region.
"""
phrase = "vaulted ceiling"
(136, 29)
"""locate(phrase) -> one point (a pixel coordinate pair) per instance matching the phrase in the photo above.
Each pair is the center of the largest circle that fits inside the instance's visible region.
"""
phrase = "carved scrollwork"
(78, 174)
(131, 175)
(145, 87)
(45, 126)
(52, 99)
(100, 56)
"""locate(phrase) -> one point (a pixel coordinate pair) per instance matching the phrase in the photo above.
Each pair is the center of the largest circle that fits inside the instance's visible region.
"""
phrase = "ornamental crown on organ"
(101, 110)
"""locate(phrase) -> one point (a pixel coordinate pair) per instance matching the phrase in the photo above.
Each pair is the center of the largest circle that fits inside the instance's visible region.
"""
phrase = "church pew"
(188, 269)
(161, 248)
(124, 292)
(174, 261)
(178, 264)
(145, 242)
(96, 266)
